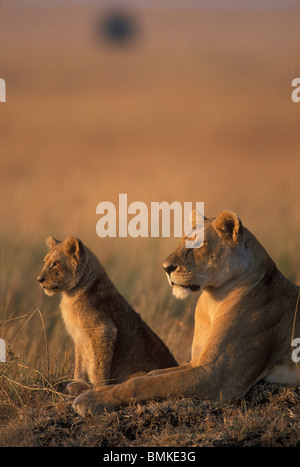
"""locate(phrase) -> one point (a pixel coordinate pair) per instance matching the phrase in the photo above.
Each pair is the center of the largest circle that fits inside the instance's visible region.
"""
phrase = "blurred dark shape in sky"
(117, 27)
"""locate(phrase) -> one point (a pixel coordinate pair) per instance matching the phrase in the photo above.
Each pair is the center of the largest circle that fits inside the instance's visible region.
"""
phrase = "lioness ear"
(51, 242)
(228, 224)
(72, 247)
(196, 219)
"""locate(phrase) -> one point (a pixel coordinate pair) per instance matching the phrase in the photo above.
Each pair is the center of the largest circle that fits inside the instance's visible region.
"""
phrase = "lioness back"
(112, 342)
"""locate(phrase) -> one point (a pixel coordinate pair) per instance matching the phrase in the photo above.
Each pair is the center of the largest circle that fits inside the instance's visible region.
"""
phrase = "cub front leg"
(103, 340)
(81, 378)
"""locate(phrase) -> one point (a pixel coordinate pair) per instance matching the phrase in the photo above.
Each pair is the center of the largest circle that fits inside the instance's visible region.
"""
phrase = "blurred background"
(164, 101)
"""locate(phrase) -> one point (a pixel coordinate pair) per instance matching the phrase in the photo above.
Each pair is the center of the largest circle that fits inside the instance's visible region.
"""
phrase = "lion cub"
(112, 342)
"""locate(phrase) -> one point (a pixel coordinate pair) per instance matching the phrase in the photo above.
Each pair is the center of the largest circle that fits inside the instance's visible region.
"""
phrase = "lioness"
(112, 342)
(243, 322)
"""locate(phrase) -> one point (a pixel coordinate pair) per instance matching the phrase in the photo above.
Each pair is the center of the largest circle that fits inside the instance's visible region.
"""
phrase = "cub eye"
(54, 264)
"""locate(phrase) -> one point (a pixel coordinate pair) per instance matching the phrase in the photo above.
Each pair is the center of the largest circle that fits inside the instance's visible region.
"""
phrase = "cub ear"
(228, 224)
(51, 242)
(73, 247)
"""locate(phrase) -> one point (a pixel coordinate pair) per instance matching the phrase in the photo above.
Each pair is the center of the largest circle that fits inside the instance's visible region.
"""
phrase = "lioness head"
(61, 265)
(220, 257)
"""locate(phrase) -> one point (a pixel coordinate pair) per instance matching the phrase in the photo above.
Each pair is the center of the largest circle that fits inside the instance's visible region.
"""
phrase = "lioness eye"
(55, 263)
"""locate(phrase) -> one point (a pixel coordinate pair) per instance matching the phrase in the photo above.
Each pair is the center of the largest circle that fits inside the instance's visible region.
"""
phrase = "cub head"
(61, 265)
(220, 258)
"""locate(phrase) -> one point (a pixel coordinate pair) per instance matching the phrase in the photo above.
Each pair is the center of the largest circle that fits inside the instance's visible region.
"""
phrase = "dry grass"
(198, 110)
(40, 414)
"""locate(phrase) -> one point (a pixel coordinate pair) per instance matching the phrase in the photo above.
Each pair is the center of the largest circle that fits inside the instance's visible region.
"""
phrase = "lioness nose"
(40, 278)
(169, 268)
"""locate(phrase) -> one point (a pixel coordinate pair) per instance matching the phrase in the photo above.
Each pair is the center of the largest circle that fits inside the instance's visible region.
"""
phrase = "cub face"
(60, 265)
(220, 257)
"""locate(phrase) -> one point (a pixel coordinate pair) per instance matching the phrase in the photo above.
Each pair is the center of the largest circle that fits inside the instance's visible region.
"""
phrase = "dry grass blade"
(6, 395)
(4, 322)
(46, 380)
(51, 389)
(45, 335)
(20, 330)
(14, 388)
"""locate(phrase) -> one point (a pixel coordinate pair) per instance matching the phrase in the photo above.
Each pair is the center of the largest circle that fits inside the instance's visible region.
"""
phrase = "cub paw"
(77, 387)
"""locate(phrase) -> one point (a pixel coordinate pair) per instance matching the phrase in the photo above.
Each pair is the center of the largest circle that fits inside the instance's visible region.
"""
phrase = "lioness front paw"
(87, 404)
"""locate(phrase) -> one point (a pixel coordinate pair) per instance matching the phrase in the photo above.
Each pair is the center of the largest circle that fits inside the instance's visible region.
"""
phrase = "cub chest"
(75, 325)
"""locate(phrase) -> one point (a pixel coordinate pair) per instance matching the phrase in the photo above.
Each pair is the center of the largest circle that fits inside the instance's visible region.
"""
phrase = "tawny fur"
(243, 322)
(112, 342)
